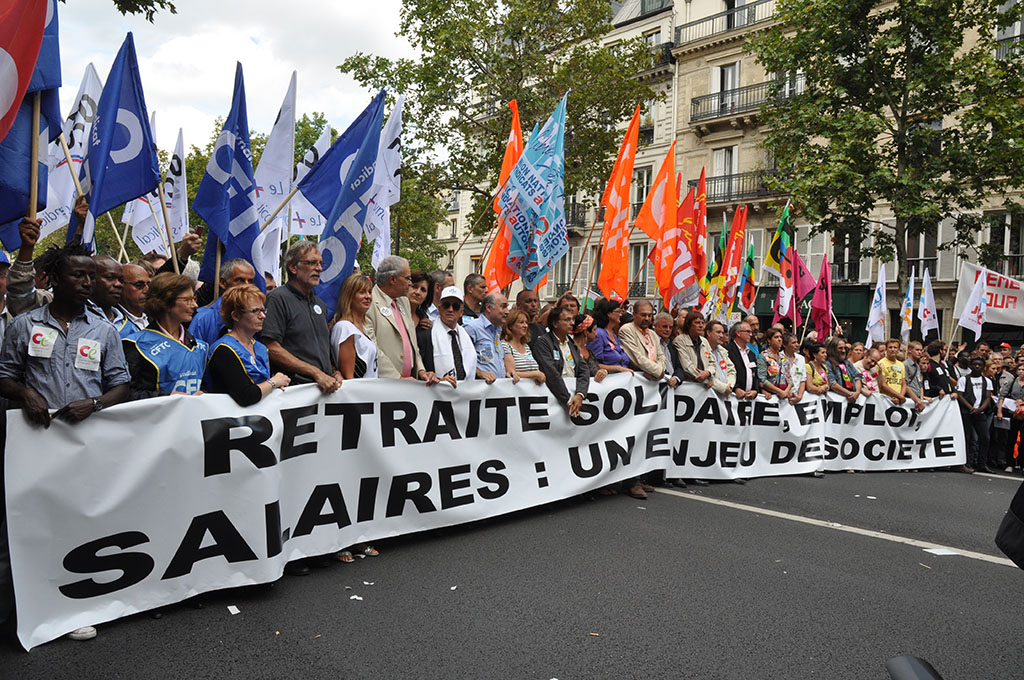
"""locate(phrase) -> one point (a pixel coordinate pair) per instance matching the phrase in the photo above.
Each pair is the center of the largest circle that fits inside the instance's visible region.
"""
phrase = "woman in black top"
(239, 364)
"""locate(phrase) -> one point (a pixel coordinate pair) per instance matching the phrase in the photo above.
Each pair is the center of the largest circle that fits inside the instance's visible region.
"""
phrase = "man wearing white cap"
(446, 347)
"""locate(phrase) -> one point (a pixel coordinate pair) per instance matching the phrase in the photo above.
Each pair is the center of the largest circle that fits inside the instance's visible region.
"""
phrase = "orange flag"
(658, 219)
(614, 277)
(497, 272)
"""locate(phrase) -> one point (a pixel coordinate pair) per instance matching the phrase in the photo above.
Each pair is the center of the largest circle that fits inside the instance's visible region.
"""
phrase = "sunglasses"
(445, 304)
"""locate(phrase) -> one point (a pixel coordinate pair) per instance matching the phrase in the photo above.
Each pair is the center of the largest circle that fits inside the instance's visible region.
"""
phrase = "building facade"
(711, 94)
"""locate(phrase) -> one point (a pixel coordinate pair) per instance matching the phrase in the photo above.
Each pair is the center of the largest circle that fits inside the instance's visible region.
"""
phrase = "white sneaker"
(83, 633)
(1008, 469)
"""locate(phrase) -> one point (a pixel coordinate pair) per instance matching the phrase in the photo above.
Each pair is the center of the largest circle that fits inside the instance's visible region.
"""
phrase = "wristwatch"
(96, 404)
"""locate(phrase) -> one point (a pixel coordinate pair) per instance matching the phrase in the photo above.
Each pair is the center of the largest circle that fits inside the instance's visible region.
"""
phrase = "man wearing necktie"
(389, 324)
(446, 347)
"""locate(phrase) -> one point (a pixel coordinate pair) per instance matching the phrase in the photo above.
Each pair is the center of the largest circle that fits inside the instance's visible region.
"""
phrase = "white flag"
(876, 316)
(307, 220)
(273, 182)
(146, 219)
(907, 309)
(176, 191)
(61, 192)
(973, 315)
(387, 185)
(926, 311)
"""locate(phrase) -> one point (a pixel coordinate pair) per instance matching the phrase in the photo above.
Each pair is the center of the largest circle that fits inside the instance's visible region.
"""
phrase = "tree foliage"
(907, 104)
(476, 55)
(146, 7)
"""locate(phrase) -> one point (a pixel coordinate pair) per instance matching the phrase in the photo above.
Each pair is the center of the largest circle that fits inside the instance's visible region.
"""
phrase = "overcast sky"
(187, 60)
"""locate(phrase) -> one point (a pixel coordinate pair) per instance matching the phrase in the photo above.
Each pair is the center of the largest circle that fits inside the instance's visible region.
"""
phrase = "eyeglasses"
(137, 285)
(188, 300)
(256, 310)
(312, 263)
(455, 304)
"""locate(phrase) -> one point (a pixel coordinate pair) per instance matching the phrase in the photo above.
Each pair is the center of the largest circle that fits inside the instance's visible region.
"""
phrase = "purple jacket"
(607, 350)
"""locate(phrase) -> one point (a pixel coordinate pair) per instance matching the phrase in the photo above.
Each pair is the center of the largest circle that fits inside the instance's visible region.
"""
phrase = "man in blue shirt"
(486, 334)
(207, 325)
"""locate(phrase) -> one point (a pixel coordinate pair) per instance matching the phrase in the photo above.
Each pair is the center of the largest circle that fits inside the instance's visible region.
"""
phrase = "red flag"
(821, 304)
(21, 33)
(614, 276)
(497, 272)
(732, 264)
(700, 235)
(682, 289)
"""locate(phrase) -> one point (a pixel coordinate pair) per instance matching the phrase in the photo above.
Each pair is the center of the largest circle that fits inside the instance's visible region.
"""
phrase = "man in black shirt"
(295, 331)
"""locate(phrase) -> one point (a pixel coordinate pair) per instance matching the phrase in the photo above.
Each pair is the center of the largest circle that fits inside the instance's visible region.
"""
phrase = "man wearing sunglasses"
(446, 347)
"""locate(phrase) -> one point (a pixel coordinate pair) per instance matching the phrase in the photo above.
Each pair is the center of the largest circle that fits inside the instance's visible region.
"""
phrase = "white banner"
(1005, 295)
(152, 502)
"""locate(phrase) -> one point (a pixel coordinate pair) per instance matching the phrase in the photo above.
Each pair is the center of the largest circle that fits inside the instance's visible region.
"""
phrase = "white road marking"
(840, 527)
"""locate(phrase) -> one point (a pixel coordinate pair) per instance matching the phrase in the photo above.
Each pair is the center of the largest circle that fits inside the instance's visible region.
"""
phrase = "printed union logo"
(90, 352)
(40, 339)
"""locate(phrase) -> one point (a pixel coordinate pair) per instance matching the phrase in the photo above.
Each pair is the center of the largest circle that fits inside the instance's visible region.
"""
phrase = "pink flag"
(804, 283)
(821, 304)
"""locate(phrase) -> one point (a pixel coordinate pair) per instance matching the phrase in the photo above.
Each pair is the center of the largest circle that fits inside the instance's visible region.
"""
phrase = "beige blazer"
(381, 327)
(722, 387)
(632, 342)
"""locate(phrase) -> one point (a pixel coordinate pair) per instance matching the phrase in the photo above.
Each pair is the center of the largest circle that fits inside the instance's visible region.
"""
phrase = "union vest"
(179, 369)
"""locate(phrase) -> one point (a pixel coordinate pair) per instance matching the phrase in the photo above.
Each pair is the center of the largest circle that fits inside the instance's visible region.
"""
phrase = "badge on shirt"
(41, 342)
(88, 355)
(318, 309)
(384, 310)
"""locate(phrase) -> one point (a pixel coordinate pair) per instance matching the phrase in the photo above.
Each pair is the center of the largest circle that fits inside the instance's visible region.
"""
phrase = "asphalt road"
(616, 588)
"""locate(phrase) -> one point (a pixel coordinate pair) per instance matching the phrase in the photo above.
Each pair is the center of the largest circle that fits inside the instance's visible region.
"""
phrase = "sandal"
(369, 550)
(345, 556)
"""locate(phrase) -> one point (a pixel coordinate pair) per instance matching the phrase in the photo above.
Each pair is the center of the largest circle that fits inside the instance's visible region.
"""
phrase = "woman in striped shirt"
(515, 339)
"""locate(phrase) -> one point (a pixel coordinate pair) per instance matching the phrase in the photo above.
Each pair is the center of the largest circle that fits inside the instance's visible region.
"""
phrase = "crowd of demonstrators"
(154, 339)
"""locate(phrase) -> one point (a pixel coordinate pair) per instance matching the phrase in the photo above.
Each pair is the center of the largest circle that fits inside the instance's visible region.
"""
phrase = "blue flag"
(340, 186)
(16, 148)
(533, 203)
(225, 196)
(121, 162)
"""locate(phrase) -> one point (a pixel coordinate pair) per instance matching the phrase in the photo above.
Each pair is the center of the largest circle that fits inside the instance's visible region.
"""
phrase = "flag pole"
(78, 188)
(586, 247)
(489, 243)
(163, 239)
(279, 208)
(216, 273)
(33, 190)
(451, 260)
(167, 227)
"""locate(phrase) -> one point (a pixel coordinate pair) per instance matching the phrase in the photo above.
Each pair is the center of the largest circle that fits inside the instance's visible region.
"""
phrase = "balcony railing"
(638, 289)
(922, 263)
(743, 186)
(576, 215)
(1004, 46)
(846, 271)
(635, 209)
(742, 99)
(730, 20)
(562, 288)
